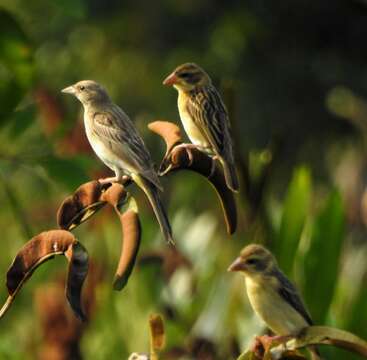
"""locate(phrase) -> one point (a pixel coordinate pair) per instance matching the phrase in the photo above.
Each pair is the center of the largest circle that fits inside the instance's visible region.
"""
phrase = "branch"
(310, 336)
(178, 158)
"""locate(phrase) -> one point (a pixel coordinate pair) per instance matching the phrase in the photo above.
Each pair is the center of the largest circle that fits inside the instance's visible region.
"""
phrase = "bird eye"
(185, 75)
(82, 88)
(252, 261)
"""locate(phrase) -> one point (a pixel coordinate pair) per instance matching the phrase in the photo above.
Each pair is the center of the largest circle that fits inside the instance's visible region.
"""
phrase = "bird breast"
(275, 311)
(101, 148)
(191, 128)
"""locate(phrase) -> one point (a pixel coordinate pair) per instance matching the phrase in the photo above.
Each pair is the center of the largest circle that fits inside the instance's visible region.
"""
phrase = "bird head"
(254, 260)
(187, 77)
(87, 92)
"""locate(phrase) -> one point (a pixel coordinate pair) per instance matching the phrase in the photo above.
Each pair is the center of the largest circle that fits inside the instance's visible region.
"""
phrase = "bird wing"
(116, 129)
(210, 115)
(290, 294)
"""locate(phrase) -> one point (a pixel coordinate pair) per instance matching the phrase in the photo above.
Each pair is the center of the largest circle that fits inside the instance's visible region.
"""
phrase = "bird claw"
(262, 344)
(188, 148)
(115, 179)
(107, 180)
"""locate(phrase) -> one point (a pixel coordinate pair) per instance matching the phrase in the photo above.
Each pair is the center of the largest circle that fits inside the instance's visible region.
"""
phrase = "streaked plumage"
(116, 142)
(204, 116)
(272, 296)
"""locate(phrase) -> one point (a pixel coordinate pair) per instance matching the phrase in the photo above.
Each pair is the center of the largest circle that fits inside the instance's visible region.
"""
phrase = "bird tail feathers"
(230, 175)
(152, 193)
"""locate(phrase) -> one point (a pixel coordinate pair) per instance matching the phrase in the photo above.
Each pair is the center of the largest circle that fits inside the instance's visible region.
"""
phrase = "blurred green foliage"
(293, 75)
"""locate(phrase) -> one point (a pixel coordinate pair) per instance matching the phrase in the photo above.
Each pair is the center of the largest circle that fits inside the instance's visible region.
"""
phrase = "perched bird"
(117, 143)
(204, 116)
(272, 296)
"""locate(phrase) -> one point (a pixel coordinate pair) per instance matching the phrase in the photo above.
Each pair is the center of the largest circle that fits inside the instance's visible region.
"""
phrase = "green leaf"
(357, 321)
(321, 261)
(294, 215)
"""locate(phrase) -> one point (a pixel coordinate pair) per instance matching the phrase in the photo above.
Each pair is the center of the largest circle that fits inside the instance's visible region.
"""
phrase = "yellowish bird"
(272, 296)
(117, 143)
(204, 116)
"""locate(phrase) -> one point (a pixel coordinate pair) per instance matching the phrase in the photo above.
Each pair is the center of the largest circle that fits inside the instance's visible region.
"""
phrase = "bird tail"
(230, 175)
(152, 193)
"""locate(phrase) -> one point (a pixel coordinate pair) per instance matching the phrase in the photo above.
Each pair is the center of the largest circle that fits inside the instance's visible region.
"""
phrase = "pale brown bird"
(204, 116)
(272, 296)
(117, 143)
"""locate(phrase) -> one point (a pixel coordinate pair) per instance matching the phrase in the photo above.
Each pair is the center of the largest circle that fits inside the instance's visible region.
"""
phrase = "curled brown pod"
(127, 210)
(38, 250)
(80, 206)
(182, 158)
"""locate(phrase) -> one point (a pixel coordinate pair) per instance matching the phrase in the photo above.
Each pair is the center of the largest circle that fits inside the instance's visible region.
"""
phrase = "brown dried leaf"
(35, 252)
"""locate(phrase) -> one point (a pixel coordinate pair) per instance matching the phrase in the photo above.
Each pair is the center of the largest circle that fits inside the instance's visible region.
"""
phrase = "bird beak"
(69, 90)
(170, 79)
(237, 265)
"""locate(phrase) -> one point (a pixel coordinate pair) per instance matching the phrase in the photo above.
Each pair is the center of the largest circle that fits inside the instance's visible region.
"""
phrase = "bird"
(204, 117)
(272, 295)
(115, 140)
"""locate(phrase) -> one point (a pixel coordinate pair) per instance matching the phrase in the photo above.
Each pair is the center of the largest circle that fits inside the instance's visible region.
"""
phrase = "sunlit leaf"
(295, 211)
(357, 321)
(323, 257)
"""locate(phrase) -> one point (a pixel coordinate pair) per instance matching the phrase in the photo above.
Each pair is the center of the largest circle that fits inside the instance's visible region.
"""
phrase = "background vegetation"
(294, 77)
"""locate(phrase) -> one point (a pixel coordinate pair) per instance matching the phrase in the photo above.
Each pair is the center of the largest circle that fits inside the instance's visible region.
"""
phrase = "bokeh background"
(294, 77)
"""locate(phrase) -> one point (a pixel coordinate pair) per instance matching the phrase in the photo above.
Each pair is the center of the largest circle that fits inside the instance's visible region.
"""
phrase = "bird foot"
(114, 179)
(262, 344)
(188, 148)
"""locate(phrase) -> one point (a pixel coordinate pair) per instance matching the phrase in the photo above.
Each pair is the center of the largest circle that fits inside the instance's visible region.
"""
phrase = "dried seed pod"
(181, 158)
(131, 229)
(127, 210)
(79, 207)
(78, 270)
(41, 248)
